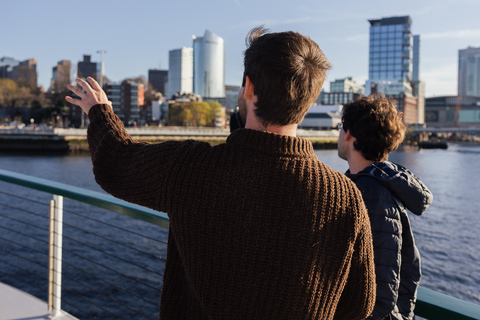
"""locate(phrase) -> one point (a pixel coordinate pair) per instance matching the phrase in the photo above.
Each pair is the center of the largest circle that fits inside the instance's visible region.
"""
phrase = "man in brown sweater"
(259, 227)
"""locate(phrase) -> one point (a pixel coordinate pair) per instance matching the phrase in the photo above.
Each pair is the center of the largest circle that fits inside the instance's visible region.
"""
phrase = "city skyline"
(138, 36)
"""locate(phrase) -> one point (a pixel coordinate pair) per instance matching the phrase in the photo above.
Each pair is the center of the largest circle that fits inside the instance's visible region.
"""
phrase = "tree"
(215, 112)
(198, 114)
(8, 92)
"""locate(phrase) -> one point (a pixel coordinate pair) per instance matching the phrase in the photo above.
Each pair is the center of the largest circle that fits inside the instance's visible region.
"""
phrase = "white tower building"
(209, 66)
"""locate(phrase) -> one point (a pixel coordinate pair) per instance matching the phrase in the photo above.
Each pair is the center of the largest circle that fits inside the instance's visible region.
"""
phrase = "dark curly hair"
(376, 125)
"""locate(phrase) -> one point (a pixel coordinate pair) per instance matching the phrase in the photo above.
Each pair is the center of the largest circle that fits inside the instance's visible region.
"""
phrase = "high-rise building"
(158, 80)
(87, 68)
(391, 49)
(416, 58)
(61, 76)
(209, 65)
(127, 99)
(24, 73)
(394, 61)
(6, 65)
(180, 71)
(469, 72)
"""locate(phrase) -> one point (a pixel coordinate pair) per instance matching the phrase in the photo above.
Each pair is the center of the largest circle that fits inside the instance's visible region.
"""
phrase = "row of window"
(394, 50)
(386, 69)
(390, 28)
(390, 54)
(403, 67)
(396, 61)
(389, 42)
(387, 35)
(390, 47)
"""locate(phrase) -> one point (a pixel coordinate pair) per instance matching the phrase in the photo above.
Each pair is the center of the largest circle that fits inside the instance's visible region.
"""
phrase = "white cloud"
(441, 81)
(467, 33)
(358, 38)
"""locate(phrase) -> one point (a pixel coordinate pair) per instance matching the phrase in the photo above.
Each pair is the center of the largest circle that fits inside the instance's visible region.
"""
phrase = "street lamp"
(101, 66)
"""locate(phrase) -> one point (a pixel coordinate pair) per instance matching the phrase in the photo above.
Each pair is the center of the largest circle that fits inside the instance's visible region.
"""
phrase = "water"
(447, 235)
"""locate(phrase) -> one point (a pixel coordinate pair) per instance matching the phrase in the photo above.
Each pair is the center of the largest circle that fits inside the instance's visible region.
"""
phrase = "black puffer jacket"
(387, 189)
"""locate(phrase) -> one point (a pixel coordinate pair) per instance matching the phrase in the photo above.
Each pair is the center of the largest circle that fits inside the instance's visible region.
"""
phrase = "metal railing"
(142, 288)
(112, 265)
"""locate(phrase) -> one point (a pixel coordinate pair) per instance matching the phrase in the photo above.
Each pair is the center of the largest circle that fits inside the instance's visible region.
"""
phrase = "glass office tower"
(469, 72)
(391, 49)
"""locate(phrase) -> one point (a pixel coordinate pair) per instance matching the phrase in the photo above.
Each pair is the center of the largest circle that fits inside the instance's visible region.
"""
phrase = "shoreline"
(52, 144)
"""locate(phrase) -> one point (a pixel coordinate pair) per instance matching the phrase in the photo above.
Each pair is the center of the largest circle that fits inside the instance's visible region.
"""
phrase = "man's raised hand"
(90, 95)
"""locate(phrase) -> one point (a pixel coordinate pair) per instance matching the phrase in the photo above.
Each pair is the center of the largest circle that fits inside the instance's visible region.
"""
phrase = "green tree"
(215, 112)
(8, 92)
(175, 114)
(198, 114)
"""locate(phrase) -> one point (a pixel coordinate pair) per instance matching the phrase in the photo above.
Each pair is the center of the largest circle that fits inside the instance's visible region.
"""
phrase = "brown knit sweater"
(259, 228)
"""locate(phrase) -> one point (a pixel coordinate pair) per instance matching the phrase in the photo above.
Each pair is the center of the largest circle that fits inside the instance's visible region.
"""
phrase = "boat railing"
(101, 264)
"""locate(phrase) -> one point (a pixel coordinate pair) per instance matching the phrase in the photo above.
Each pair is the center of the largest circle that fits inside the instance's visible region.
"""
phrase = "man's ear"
(248, 93)
(348, 135)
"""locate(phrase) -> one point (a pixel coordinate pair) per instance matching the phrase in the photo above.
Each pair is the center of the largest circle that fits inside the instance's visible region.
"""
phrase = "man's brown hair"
(376, 125)
(287, 71)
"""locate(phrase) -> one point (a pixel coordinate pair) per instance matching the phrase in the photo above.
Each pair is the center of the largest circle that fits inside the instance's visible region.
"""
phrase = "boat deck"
(17, 305)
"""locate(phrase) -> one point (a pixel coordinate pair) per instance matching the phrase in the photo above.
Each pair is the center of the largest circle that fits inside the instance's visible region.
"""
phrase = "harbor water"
(447, 235)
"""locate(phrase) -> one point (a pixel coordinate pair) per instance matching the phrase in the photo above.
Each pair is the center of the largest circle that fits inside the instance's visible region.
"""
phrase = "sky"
(137, 35)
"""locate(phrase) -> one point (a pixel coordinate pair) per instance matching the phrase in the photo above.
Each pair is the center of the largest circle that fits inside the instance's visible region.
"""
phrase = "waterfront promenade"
(75, 140)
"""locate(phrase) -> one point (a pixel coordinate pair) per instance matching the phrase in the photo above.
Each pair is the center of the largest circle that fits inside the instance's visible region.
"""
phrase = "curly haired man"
(371, 129)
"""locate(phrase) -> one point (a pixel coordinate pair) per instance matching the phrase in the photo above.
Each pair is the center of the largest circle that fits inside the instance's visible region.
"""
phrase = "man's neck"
(356, 162)
(255, 124)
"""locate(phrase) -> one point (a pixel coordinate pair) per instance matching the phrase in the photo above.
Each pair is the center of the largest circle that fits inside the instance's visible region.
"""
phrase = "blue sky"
(137, 35)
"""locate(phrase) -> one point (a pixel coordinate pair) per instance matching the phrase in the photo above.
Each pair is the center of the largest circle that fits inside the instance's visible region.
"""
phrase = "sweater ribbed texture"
(259, 228)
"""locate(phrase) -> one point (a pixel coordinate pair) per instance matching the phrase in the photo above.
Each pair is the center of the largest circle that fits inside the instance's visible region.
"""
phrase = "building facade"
(180, 71)
(346, 85)
(87, 68)
(61, 76)
(442, 112)
(127, 101)
(469, 72)
(416, 58)
(391, 50)
(158, 80)
(394, 65)
(322, 117)
(24, 73)
(418, 90)
(6, 65)
(335, 98)
(209, 66)
(341, 92)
